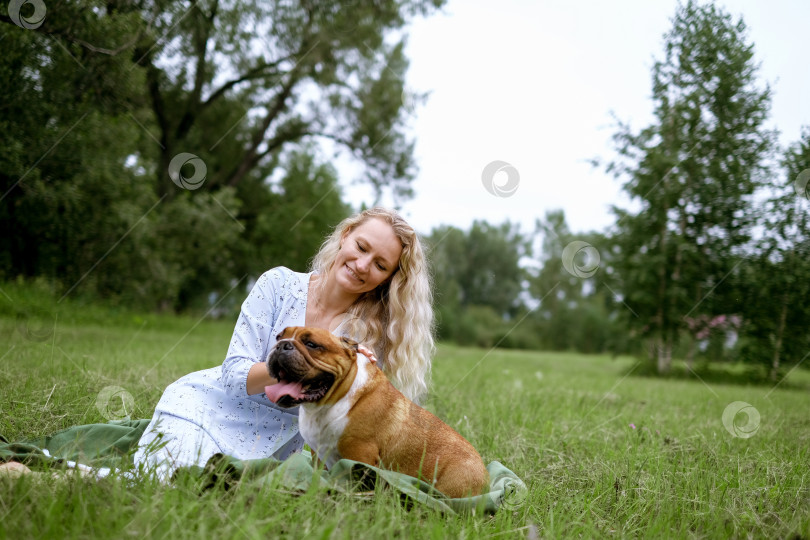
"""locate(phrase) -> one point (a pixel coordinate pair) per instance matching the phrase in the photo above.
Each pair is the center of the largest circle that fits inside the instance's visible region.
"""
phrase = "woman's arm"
(241, 370)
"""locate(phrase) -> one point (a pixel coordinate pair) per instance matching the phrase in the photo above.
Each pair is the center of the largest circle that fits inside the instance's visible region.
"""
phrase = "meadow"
(605, 452)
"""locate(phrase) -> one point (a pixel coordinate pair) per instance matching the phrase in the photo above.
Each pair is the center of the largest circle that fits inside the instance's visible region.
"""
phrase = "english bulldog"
(349, 409)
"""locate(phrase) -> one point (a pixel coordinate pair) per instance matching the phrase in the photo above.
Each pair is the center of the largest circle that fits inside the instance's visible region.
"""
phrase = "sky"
(532, 84)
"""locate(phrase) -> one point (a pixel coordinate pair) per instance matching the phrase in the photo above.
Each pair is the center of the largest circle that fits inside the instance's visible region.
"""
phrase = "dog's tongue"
(276, 391)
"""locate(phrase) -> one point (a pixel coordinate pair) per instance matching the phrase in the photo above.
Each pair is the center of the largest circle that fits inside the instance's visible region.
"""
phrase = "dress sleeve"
(251, 337)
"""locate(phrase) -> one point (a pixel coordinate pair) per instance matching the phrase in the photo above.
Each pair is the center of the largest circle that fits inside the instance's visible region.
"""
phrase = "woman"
(368, 281)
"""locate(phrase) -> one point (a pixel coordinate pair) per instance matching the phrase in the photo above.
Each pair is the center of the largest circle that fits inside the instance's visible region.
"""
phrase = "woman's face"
(368, 256)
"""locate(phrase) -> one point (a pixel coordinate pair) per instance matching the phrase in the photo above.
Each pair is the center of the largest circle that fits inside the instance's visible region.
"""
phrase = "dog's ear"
(349, 343)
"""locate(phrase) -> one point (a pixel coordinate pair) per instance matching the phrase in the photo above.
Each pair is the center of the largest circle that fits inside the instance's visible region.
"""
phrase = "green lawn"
(605, 453)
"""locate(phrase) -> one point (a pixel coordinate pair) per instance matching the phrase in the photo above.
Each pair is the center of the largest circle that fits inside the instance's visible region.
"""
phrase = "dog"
(349, 409)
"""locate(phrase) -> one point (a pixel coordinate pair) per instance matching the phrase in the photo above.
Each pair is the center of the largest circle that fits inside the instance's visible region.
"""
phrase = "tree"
(576, 308)
(694, 173)
(478, 279)
(301, 71)
(306, 207)
(67, 197)
(100, 101)
(62, 145)
(777, 280)
(483, 264)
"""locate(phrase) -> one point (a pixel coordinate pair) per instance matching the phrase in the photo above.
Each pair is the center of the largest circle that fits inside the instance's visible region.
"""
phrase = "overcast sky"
(532, 84)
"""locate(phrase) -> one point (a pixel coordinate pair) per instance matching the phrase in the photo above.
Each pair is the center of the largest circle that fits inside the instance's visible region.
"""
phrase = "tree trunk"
(164, 182)
(664, 357)
(780, 332)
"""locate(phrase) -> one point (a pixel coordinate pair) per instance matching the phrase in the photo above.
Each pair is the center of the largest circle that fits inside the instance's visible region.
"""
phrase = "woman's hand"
(365, 351)
(257, 378)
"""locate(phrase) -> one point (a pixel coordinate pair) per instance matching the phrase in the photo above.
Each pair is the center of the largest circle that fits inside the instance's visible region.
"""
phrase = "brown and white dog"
(350, 410)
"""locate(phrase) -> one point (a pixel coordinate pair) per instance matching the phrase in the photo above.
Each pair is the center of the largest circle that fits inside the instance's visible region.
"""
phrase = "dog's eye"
(312, 345)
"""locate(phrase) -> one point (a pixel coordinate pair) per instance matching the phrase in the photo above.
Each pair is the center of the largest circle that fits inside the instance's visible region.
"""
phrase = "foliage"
(577, 307)
(304, 209)
(100, 100)
(298, 70)
(694, 173)
(482, 262)
(777, 280)
(478, 279)
(553, 307)
(63, 142)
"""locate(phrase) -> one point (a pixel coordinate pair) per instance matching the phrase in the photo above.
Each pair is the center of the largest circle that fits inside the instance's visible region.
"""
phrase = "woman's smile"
(353, 273)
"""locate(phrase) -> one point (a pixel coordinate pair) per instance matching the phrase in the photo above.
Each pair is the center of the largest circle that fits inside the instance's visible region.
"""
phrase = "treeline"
(161, 155)
(500, 287)
(554, 289)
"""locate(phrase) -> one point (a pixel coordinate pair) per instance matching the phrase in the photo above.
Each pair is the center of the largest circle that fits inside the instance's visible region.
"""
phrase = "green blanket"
(112, 444)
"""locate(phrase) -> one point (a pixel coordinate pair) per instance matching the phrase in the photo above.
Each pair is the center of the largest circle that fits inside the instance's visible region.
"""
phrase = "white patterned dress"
(209, 411)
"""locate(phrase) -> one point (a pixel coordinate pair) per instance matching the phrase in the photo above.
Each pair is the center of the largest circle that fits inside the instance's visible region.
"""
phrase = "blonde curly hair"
(396, 319)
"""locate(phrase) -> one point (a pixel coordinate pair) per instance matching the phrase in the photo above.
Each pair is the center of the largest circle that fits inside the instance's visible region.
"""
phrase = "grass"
(605, 453)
